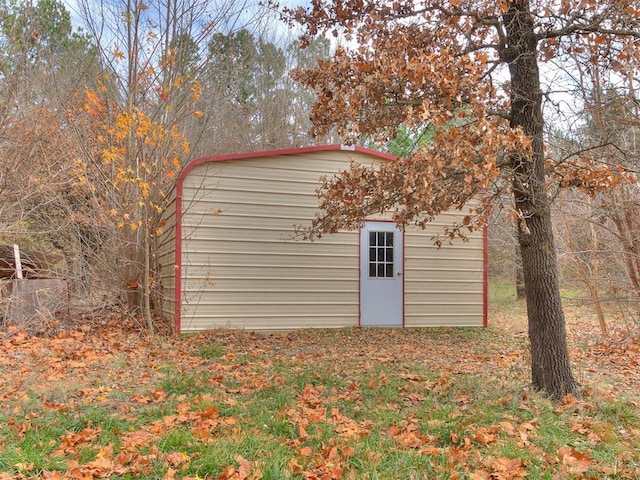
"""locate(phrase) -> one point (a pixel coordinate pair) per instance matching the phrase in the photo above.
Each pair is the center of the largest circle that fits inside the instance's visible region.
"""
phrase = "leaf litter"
(328, 404)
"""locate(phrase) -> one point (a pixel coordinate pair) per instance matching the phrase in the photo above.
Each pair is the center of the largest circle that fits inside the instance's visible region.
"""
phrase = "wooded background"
(99, 115)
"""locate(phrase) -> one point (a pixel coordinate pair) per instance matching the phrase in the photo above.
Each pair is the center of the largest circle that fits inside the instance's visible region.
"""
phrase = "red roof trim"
(274, 153)
(239, 156)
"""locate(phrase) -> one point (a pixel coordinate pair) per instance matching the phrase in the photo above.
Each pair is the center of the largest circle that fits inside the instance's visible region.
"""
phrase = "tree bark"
(550, 367)
(132, 277)
(146, 274)
(520, 292)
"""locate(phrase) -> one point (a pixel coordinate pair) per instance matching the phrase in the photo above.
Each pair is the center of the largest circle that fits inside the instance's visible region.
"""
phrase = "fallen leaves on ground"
(114, 402)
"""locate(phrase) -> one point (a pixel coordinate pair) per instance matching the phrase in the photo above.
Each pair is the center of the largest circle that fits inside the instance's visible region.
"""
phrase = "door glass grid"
(381, 255)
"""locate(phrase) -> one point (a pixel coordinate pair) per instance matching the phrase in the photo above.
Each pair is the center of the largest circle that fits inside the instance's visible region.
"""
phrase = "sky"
(276, 30)
(247, 11)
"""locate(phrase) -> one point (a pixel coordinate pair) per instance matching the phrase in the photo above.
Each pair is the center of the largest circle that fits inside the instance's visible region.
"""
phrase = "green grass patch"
(621, 412)
(351, 403)
(179, 383)
(211, 351)
(502, 294)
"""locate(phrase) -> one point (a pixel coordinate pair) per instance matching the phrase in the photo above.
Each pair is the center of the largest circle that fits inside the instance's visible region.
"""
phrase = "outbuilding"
(230, 257)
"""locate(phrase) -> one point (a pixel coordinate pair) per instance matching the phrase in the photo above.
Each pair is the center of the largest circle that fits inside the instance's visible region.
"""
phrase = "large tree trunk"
(550, 367)
(520, 292)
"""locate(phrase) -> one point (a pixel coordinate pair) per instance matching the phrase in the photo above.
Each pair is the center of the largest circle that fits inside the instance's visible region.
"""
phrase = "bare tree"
(180, 78)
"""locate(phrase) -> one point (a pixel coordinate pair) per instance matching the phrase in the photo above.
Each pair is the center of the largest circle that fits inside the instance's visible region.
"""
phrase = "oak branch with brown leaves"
(470, 70)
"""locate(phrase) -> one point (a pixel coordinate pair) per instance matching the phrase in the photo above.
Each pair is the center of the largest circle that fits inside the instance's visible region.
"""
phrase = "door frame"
(398, 254)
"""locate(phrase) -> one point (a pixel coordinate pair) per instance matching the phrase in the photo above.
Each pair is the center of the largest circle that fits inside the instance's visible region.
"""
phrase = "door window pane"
(381, 255)
(389, 270)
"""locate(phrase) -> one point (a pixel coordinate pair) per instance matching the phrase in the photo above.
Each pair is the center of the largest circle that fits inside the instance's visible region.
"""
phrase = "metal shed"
(229, 256)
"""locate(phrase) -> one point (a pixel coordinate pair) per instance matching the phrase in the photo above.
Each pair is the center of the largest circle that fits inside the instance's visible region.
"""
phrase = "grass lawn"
(106, 401)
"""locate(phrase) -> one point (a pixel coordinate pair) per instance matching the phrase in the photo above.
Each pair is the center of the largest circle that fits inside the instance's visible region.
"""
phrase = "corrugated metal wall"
(244, 267)
(445, 286)
(166, 248)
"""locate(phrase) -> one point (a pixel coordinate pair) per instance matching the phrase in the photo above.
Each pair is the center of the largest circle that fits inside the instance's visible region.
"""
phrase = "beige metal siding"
(166, 250)
(244, 266)
(443, 287)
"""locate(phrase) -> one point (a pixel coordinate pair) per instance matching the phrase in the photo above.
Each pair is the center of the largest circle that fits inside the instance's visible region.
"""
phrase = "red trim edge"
(238, 156)
(485, 275)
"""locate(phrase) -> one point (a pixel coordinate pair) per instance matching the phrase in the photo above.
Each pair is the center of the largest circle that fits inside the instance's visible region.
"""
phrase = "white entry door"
(381, 270)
